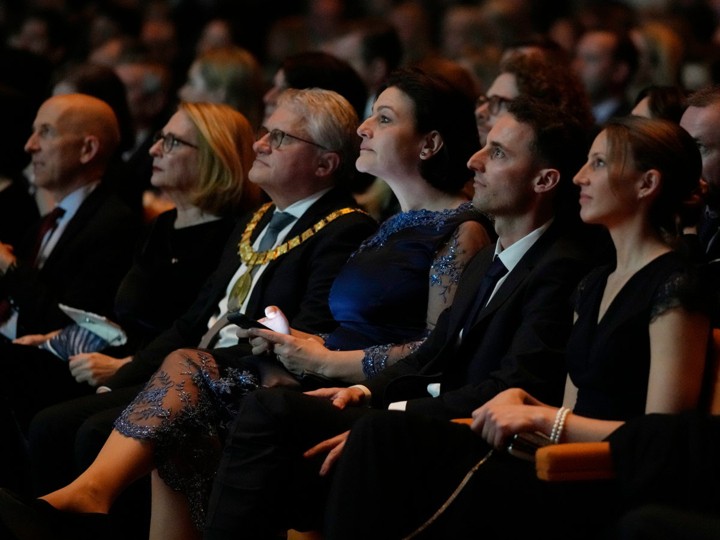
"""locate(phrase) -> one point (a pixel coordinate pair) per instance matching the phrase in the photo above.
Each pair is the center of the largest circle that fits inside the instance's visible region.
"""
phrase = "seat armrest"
(574, 461)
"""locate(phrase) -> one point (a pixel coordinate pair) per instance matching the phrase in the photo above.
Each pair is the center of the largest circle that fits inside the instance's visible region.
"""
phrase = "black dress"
(609, 361)
(169, 267)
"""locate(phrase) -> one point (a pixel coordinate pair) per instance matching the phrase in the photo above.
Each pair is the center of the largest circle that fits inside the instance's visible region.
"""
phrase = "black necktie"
(494, 273)
(277, 223)
(48, 223)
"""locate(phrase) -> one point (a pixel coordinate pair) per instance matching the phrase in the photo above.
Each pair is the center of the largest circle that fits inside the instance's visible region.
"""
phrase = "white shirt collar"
(511, 256)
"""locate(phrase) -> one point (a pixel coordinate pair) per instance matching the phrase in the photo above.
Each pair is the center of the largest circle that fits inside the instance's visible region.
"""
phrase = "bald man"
(80, 258)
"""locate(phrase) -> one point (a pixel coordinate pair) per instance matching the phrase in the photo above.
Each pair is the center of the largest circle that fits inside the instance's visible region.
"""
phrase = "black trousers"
(264, 485)
(32, 379)
(399, 474)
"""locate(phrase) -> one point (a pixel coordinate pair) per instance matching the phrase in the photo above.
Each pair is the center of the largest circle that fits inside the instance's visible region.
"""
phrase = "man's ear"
(327, 164)
(649, 184)
(89, 149)
(546, 180)
(431, 145)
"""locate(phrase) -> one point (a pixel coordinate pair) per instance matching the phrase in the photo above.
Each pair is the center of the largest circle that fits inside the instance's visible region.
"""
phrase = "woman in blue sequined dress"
(388, 296)
(391, 292)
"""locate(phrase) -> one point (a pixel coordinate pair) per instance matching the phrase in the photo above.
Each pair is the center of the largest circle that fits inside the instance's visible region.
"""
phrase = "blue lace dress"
(379, 298)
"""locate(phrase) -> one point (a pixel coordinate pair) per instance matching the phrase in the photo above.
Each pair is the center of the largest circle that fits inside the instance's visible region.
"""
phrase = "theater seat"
(591, 460)
(297, 535)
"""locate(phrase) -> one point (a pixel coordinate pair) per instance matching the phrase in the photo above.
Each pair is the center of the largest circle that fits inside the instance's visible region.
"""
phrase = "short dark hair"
(560, 142)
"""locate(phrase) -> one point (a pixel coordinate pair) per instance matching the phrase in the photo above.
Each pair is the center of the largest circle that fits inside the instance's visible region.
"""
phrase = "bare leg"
(121, 461)
(174, 420)
(129, 453)
(170, 513)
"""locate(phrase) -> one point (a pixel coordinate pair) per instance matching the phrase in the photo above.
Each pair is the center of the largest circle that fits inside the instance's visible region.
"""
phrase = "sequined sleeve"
(378, 357)
(446, 265)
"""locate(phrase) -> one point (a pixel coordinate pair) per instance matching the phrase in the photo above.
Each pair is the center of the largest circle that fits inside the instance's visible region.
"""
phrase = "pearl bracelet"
(558, 424)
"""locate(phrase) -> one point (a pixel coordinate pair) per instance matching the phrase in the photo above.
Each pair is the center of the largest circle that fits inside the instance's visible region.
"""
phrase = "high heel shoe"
(36, 519)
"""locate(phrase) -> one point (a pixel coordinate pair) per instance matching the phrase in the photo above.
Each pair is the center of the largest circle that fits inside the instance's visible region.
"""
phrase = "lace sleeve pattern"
(679, 290)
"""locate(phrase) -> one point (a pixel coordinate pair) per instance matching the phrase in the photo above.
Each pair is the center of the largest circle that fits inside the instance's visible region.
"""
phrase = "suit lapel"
(84, 212)
(518, 274)
(332, 200)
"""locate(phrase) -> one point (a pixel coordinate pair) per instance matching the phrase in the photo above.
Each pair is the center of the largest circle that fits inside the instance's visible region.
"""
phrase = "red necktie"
(47, 224)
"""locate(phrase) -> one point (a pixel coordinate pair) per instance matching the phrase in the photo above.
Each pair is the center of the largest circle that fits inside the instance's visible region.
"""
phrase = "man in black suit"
(302, 179)
(266, 483)
(78, 260)
(81, 259)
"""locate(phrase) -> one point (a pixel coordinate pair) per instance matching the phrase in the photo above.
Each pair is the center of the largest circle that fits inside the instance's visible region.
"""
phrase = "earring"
(423, 154)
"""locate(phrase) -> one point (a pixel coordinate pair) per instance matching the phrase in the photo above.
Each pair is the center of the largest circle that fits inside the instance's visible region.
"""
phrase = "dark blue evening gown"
(381, 294)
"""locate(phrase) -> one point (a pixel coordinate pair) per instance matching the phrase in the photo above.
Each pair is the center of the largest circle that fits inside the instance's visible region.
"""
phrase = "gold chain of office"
(253, 258)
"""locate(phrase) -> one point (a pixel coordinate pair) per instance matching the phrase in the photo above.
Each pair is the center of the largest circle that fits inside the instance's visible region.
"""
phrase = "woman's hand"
(510, 412)
(297, 353)
(274, 319)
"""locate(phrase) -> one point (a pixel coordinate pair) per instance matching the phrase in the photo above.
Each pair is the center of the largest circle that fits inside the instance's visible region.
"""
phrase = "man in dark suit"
(302, 179)
(83, 256)
(266, 482)
(78, 259)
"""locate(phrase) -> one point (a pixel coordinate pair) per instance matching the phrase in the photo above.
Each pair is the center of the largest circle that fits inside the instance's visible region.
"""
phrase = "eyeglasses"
(495, 103)
(170, 141)
(277, 136)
